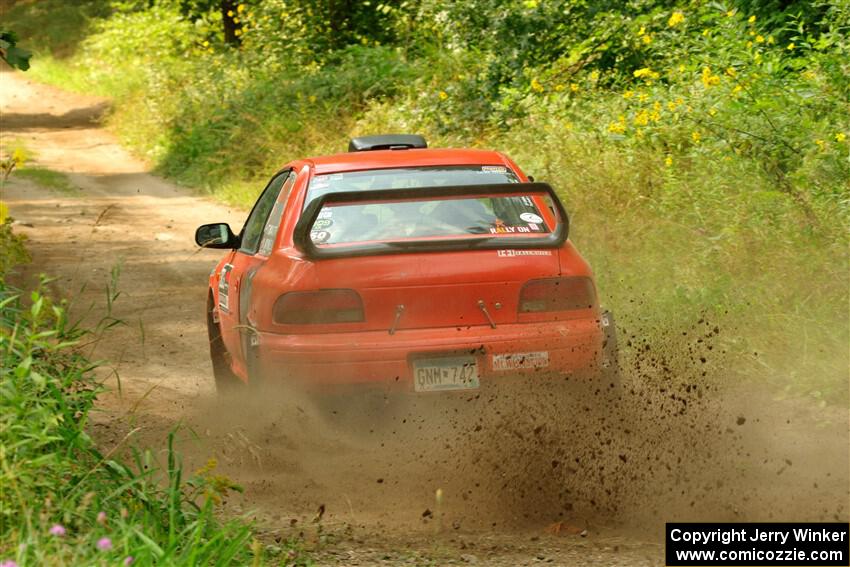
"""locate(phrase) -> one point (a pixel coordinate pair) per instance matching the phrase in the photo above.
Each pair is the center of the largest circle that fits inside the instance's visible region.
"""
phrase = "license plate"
(449, 373)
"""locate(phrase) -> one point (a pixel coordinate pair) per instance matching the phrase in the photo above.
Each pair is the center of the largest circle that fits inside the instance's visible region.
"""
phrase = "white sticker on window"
(531, 217)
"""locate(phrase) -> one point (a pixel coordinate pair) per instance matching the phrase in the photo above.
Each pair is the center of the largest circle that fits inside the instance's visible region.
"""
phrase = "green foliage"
(16, 57)
(53, 26)
(63, 500)
(12, 249)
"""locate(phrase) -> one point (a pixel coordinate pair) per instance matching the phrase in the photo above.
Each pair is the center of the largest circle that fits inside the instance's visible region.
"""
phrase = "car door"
(257, 241)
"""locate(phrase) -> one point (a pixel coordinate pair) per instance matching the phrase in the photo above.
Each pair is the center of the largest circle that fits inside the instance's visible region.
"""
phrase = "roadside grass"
(48, 178)
(708, 180)
(53, 26)
(17, 159)
(65, 501)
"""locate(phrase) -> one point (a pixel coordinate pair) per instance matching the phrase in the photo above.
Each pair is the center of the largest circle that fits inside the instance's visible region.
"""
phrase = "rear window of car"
(416, 219)
(408, 178)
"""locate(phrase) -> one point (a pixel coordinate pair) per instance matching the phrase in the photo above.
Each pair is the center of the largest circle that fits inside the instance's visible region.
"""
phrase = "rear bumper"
(333, 361)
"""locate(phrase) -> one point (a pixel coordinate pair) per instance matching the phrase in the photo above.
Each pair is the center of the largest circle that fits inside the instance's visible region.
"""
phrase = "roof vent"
(386, 142)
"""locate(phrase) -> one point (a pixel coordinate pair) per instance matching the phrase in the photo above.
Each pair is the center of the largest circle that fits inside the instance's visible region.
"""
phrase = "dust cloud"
(531, 455)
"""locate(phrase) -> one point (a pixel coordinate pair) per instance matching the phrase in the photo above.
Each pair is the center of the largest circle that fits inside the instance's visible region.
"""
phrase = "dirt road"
(515, 489)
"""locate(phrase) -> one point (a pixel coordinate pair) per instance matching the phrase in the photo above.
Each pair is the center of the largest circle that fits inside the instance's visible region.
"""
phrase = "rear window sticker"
(502, 229)
(531, 217)
(519, 360)
(322, 223)
(336, 176)
(494, 169)
(224, 288)
(526, 200)
(320, 236)
(533, 226)
(516, 253)
(326, 213)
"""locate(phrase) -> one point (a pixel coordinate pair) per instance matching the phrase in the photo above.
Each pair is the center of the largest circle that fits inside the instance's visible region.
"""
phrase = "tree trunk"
(230, 26)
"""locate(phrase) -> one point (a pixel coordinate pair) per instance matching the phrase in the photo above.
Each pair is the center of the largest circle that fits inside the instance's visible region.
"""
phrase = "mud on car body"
(404, 268)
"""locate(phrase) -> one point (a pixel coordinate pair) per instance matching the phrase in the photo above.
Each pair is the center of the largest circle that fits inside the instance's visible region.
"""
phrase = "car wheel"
(225, 380)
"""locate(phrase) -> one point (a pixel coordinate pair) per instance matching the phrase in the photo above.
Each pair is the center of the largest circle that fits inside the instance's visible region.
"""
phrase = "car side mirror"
(216, 235)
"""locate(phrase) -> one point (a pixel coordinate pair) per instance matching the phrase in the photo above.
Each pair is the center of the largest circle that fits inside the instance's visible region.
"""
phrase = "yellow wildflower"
(240, 8)
(559, 88)
(730, 13)
(616, 128)
(642, 97)
(708, 78)
(730, 71)
(695, 136)
(737, 89)
(676, 18)
(821, 144)
(712, 111)
(791, 46)
(535, 85)
(759, 38)
(671, 106)
(749, 44)
(230, 13)
(443, 95)
(752, 33)
(206, 44)
(628, 94)
(641, 118)
(646, 73)
(655, 116)
(238, 32)
(752, 19)
(770, 40)
(574, 87)
(236, 20)
(642, 30)
(668, 161)
(840, 137)
(647, 39)
(594, 75)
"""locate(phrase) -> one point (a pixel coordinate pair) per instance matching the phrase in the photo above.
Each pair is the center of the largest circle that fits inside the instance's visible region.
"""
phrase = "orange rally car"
(404, 268)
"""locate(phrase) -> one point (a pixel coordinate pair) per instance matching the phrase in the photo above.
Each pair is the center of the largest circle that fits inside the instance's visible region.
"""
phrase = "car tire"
(226, 382)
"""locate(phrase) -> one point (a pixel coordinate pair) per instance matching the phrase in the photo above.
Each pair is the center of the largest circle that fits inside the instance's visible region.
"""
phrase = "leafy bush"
(63, 500)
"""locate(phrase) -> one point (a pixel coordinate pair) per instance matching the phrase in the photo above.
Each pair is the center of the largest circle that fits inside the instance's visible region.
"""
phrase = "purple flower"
(104, 544)
(8, 563)
(101, 518)
(128, 560)
(58, 530)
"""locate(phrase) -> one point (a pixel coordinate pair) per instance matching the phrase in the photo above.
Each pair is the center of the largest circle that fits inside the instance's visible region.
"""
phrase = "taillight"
(318, 307)
(557, 294)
